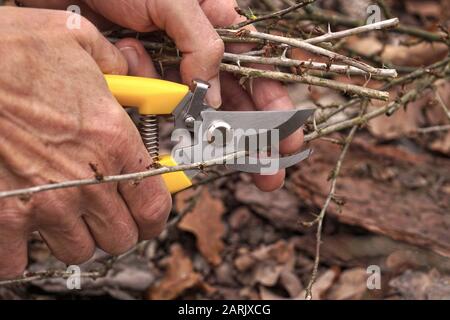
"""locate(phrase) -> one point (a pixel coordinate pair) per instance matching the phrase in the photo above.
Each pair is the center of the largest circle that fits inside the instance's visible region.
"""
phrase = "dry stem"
(27, 192)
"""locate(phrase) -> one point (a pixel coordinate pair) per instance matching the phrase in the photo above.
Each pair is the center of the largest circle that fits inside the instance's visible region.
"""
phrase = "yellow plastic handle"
(152, 97)
(175, 181)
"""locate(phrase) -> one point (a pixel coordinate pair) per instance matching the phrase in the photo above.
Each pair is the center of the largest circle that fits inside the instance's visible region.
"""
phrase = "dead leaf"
(267, 294)
(352, 285)
(290, 281)
(179, 276)
(268, 274)
(266, 264)
(322, 285)
(185, 200)
(414, 285)
(280, 207)
(205, 222)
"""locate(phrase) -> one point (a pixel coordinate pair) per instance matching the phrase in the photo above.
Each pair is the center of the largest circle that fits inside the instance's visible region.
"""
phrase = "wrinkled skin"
(57, 119)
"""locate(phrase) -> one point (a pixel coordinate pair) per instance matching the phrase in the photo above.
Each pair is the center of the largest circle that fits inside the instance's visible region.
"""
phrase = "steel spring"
(149, 130)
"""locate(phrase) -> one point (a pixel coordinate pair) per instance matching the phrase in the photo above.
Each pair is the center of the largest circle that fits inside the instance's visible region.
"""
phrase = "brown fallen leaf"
(290, 281)
(414, 285)
(205, 222)
(179, 276)
(267, 294)
(266, 264)
(352, 285)
(280, 207)
(322, 285)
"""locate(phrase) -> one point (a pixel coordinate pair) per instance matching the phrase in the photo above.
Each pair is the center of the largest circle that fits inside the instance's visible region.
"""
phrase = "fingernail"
(132, 57)
(214, 97)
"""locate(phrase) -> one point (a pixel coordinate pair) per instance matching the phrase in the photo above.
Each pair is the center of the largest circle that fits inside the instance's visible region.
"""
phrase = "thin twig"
(287, 77)
(319, 15)
(388, 109)
(433, 129)
(286, 62)
(274, 15)
(331, 196)
(354, 31)
(442, 104)
(333, 56)
(138, 176)
(50, 274)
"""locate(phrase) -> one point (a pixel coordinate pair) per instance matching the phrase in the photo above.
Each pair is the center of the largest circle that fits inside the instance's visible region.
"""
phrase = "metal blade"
(287, 122)
(270, 166)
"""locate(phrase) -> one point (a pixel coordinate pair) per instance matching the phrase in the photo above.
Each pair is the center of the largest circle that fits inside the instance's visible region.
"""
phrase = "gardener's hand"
(190, 24)
(59, 121)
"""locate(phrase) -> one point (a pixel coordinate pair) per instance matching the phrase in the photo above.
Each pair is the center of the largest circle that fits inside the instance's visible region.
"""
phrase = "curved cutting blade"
(287, 122)
(270, 166)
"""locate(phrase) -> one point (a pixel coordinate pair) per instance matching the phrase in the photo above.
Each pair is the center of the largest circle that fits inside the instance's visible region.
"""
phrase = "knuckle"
(81, 255)
(13, 270)
(79, 249)
(86, 27)
(217, 48)
(126, 239)
(51, 208)
(157, 213)
(116, 133)
(13, 219)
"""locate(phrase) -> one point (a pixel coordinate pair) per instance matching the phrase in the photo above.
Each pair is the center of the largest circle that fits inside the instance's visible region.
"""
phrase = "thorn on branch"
(98, 175)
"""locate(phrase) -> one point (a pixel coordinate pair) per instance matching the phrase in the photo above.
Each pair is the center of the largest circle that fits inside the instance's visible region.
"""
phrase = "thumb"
(185, 22)
(108, 58)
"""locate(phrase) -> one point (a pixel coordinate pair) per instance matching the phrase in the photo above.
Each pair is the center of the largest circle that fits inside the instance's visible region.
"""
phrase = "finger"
(67, 5)
(70, 242)
(172, 74)
(13, 243)
(58, 217)
(272, 95)
(150, 212)
(50, 4)
(148, 200)
(186, 24)
(266, 94)
(106, 55)
(202, 48)
(269, 183)
(139, 62)
(234, 96)
(109, 219)
(237, 99)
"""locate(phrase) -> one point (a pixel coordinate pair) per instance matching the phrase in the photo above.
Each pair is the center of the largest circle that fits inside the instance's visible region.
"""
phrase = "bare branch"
(286, 62)
(27, 192)
(331, 196)
(305, 46)
(274, 15)
(354, 31)
(287, 77)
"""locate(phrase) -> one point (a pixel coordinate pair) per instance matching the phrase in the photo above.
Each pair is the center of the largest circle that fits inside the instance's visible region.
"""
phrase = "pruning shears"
(204, 133)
